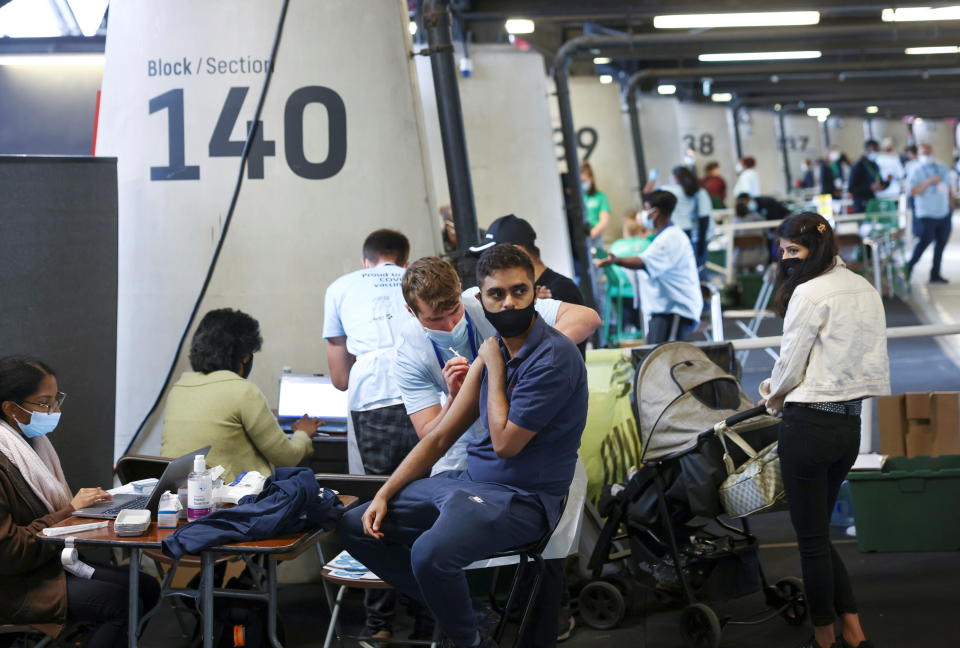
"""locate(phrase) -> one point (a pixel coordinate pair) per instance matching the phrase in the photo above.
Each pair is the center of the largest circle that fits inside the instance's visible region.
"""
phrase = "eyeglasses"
(50, 407)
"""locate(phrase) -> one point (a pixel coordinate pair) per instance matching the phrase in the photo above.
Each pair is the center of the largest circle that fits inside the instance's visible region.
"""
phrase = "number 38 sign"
(221, 145)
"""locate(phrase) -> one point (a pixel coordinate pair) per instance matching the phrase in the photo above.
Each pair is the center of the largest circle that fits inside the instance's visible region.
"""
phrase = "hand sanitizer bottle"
(199, 490)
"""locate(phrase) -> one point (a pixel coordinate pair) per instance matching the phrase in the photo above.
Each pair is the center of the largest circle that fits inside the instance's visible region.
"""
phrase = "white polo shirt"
(669, 282)
(420, 363)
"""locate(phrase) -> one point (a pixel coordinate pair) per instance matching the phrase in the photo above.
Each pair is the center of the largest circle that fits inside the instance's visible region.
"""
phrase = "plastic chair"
(131, 467)
(526, 554)
(620, 290)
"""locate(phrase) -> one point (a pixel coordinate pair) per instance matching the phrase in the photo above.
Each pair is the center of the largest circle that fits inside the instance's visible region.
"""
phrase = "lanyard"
(470, 336)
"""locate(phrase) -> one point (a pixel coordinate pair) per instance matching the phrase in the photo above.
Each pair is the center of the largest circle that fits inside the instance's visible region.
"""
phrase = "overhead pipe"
(437, 24)
(767, 70)
(637, 136)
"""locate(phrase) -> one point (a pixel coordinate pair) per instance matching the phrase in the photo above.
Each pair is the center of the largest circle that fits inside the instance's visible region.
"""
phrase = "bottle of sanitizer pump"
(199, 490)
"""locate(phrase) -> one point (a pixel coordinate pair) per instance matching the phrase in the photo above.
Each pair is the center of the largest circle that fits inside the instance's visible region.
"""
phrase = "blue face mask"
(752, 205)
(585, 185)
(649, 220)
(41, 423)
(457, 338)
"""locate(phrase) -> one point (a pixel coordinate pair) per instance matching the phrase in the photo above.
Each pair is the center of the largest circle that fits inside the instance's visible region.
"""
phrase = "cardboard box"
(918, 405)
(919, 440)
(945, 422)
(918, 424)
(892, 419)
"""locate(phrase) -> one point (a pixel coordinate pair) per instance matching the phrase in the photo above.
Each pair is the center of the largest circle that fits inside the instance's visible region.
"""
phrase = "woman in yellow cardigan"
(216, 405)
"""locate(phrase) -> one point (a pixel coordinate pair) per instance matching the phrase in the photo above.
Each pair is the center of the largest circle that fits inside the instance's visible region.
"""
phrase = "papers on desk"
(248, 483)
(346, 566)
(139, 487)
(73, 528)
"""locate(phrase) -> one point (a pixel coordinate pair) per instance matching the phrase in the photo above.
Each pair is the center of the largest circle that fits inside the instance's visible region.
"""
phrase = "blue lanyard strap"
(470, 335)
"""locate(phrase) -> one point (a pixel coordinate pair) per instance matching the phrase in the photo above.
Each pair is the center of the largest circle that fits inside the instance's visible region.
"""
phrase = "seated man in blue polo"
(530, 385)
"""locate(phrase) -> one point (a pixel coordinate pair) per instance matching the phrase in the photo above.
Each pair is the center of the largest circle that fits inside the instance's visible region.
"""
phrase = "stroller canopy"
(682, 393)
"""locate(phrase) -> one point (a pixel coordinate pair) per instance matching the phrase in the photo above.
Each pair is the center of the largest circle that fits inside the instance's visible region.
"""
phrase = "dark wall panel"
(58, 294)
(48, 110)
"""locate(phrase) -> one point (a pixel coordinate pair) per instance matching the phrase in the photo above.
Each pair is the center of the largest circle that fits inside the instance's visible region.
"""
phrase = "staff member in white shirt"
(748, 181)
(833, 354)
(362, 316)
(669, 284)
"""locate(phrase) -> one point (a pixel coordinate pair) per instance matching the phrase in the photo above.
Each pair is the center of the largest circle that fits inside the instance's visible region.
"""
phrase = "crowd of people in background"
(880, 173)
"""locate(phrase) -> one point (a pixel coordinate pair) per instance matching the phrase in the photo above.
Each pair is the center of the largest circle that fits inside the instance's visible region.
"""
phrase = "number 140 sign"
(221, 145)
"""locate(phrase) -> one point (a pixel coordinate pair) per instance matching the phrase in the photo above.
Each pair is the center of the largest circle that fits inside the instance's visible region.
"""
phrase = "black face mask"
(790, 266)
(246, 368)
(511, 322)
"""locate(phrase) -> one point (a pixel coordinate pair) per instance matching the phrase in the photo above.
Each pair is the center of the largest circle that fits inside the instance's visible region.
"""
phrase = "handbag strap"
(724, 432)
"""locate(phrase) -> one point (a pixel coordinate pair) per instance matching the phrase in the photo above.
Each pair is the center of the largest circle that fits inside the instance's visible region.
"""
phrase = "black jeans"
(936, 231)
(102, 601)
(668, 327)
(816, 451)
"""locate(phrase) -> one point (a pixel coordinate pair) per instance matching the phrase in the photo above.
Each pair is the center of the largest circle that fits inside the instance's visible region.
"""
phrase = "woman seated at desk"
(215, 405)
(34, 588)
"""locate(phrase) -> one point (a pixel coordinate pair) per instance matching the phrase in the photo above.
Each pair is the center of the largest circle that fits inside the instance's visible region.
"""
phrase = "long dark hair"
(687, 180)
(20, 376)
(813, 232)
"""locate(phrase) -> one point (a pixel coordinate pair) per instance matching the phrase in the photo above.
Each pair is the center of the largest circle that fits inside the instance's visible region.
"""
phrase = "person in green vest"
(598, 207)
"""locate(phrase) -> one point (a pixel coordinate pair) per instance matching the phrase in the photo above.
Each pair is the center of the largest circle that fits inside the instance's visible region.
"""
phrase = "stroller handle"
(739, 417)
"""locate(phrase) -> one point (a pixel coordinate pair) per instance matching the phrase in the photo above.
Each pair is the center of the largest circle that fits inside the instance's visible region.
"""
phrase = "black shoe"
(812, 643)
(486, 641)
(842, 643)
(938, 280)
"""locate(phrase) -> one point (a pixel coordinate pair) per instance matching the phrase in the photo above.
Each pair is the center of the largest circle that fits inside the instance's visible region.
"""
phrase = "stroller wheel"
(790, 589)
(700, 626)
(602, 605)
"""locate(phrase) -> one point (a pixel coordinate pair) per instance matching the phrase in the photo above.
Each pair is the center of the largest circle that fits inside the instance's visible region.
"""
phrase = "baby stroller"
(663, 524)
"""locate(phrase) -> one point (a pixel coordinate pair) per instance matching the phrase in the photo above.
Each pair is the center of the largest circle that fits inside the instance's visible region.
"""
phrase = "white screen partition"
(939, 134)
(340, 153)
(603, 135)
(804, 141)
(759, 135)
(661, 134)
(879, 129)
(847, 133)
(708, 131)
(510, 144)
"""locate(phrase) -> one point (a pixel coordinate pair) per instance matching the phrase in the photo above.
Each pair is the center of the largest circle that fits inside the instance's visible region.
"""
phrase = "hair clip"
(822, 227)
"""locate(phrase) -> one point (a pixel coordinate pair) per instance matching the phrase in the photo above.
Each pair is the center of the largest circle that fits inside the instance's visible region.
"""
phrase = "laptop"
(315, 396)
(174, 477)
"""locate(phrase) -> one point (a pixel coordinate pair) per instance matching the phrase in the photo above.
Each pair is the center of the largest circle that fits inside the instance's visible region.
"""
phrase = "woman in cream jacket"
(833, 355)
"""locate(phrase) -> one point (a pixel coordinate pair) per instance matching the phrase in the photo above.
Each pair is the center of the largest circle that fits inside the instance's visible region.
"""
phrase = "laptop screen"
(313, 395)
